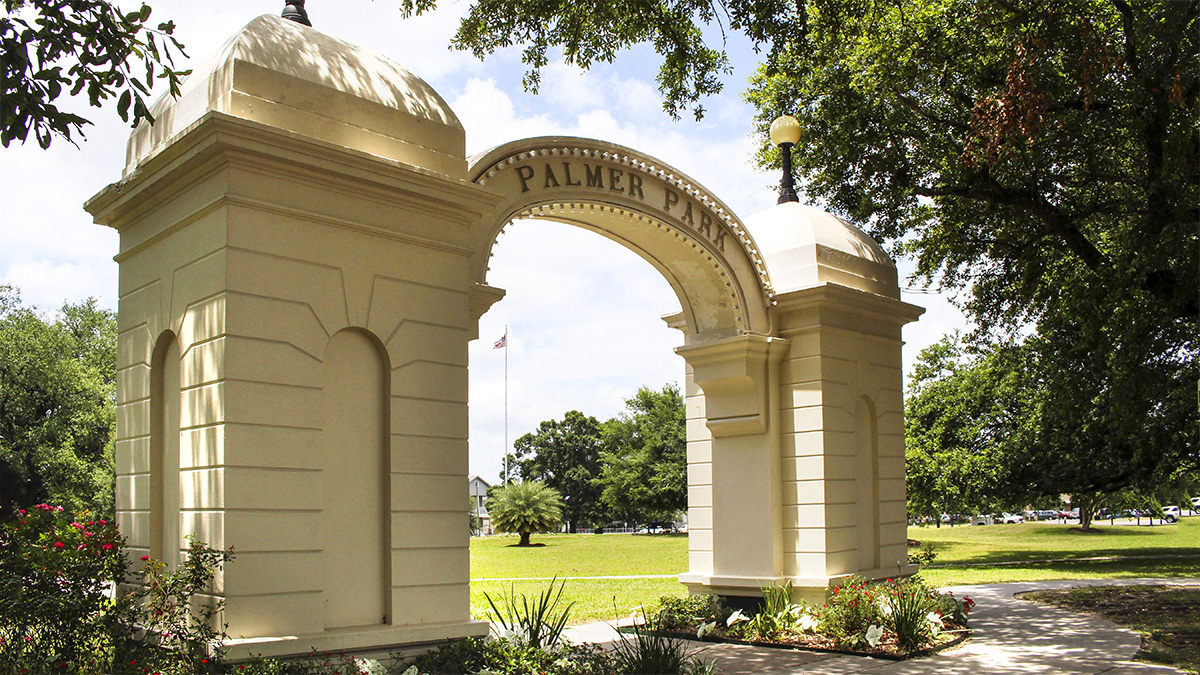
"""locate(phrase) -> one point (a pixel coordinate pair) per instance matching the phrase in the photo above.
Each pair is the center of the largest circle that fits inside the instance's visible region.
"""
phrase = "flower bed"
(893, 619)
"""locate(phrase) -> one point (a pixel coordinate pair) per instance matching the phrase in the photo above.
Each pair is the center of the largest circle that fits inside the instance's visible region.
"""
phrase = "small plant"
(650, 653)
(538, 624)
(777, 618)
(913, 615)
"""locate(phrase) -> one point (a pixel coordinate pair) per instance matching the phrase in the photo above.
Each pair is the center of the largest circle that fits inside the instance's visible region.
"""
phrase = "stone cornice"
(218, 140)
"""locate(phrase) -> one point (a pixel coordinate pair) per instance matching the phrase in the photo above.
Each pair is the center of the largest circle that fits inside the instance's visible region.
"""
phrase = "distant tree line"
(631, 468)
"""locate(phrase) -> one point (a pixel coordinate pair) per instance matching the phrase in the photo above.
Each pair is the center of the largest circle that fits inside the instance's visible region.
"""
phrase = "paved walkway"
(1012, 637)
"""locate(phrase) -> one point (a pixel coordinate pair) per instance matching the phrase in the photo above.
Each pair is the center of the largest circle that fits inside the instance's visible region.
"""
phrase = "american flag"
(501, 343)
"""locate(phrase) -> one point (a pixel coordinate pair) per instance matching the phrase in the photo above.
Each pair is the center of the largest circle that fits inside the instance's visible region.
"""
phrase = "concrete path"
(1012, 637)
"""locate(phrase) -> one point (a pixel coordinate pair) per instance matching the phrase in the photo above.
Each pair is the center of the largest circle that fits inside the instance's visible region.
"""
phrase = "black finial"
(787, 188)
(294, 10)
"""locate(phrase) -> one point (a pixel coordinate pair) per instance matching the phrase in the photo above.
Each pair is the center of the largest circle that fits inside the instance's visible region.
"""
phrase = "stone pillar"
(842, 436)
(322, 382)
(735, 517)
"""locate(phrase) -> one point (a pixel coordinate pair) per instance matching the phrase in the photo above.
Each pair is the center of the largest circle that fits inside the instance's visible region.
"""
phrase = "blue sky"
(583, 312)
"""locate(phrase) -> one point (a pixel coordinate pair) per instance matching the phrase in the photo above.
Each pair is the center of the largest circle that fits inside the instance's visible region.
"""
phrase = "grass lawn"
(1165, 616)
(965, 555)
(581, 555)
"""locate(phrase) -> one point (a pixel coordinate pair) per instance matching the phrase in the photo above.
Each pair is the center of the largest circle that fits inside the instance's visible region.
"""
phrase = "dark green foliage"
(57, 389)
(565, 456)
(591, 31)
(644, 475)
(1040, 157)
(90, 47)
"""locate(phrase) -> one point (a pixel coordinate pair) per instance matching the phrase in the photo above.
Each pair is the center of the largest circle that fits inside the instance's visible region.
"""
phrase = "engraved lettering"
(551, 177)
(635, 186)
(687, 215)
(596, 179)
(521, 173)
(567, 170)
(614, 179)
(671, 199)
(720, 240)
(705, 224)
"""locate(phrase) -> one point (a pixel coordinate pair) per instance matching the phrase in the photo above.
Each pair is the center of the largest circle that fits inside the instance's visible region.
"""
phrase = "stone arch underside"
(692, 238)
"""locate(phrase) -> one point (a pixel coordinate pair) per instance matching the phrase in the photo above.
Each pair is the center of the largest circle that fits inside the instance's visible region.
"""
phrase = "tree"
(644, 474)
(525, 508)
(52, 47)
(57, 396)
(1040, 158)
(565, 455)
(961, 418)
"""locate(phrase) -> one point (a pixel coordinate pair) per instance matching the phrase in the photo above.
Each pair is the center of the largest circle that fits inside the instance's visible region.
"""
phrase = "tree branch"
(1058, 223)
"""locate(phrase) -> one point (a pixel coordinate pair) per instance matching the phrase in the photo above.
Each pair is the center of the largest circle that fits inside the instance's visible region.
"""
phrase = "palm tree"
(525, 508)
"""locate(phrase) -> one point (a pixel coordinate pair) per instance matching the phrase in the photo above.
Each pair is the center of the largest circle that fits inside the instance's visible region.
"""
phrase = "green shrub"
(686, 613)
(60, 611)
(852, 608)
(508, 657)
(57, 613)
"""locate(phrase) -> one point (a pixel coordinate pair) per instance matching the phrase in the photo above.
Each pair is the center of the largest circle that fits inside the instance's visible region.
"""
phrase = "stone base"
(812, 590)
(366, 641)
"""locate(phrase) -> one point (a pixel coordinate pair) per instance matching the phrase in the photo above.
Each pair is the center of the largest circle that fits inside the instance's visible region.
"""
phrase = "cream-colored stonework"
(303, 261)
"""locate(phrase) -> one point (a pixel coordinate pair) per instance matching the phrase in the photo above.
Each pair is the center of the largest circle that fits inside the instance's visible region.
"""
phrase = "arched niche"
(689, 235)
(355, 481)
(165, 538)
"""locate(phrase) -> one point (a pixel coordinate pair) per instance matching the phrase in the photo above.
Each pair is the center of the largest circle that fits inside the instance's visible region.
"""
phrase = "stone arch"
(689, 235)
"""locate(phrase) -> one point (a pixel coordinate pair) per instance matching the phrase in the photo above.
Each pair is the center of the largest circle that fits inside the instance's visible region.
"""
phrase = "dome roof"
(804, 246)
(295, 78)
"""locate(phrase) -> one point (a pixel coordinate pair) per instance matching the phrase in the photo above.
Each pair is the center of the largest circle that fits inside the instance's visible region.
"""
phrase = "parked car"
(1046, 514)
(983, 520)
(1170, 514)
(1011, 518)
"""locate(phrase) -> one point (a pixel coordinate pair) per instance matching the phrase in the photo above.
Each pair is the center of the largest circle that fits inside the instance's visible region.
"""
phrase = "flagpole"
(506, 404)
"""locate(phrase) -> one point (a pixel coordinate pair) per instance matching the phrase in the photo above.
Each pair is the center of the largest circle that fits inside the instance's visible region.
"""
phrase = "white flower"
(874, 635)
(935, 622)
(706, 628)
(807, 622)
(736, 617)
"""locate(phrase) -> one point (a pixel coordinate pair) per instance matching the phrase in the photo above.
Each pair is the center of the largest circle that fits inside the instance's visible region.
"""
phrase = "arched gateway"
(303, 258)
